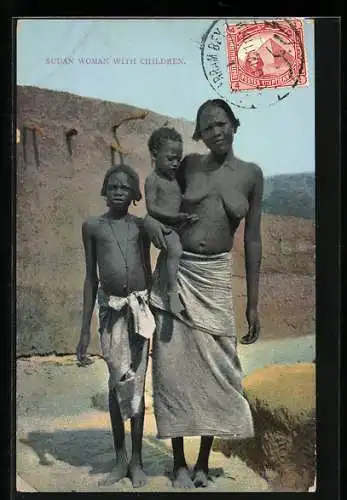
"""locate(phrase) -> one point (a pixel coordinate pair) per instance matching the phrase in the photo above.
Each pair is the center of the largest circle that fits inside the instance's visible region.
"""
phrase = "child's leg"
(136, 473)
(174, 252)
(121, 468)
(173, 255)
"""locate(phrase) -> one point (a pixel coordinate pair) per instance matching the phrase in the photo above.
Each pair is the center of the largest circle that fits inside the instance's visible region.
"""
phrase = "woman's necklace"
(124, 254)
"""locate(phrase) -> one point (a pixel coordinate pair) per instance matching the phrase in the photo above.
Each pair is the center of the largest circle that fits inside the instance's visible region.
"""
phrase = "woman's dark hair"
(161, 135)
(133, 179)
(217, 103)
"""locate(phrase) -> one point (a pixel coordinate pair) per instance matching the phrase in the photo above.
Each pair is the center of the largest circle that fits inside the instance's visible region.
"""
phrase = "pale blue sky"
(279, 138)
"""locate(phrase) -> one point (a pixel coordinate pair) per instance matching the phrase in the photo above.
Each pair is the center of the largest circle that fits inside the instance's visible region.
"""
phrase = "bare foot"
(182, 478)
(119, 472)
(200, 478)
(175, 303)
(137, 476)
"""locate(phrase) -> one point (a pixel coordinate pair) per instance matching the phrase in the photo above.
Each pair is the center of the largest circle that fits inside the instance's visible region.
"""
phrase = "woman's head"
(121, 186)
(216, 125)
(166, 148)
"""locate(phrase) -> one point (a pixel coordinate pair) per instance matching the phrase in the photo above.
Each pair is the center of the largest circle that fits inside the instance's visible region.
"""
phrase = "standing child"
(163, 201)
(117, 256)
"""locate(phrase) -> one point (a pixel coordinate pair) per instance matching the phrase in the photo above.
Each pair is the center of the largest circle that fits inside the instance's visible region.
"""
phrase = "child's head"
(121, 186)
(166, 148)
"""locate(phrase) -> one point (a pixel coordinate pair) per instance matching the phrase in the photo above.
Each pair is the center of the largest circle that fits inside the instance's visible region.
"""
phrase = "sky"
(280, 138)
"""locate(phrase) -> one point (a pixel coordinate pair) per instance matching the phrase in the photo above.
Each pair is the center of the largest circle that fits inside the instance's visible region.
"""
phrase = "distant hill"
(290, 194)
(54, 198)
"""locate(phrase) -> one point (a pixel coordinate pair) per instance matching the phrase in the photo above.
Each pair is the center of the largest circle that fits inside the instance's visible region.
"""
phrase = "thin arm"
(146, 245)
(91, 280)
(252, 239)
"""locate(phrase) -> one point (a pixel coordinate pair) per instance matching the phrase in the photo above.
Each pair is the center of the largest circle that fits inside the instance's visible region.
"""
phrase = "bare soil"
(64, 440)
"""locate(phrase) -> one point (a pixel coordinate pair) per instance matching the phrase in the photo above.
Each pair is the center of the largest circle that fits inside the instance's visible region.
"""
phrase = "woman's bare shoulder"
(252, 169)
(193, 158)
(193, 161)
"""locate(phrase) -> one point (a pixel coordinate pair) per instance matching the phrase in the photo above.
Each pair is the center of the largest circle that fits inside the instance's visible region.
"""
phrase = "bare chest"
(167, 188)
(202, 182)
(117, 235)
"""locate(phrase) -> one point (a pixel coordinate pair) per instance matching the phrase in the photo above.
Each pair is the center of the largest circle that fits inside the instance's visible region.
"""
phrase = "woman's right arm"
(156, 231)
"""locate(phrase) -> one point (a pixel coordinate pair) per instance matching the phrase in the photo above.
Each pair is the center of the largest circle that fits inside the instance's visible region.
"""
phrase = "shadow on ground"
(94, 448)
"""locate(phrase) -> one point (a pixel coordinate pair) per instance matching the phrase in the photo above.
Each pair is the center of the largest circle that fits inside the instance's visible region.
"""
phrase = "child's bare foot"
(137, 475)
(182, 478)
(119, 472)
(200, 478)
(175, 303)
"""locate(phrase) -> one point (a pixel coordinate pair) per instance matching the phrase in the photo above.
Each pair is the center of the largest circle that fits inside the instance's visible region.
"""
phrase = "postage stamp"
(266, 55)
(255, 62)
(102, 125)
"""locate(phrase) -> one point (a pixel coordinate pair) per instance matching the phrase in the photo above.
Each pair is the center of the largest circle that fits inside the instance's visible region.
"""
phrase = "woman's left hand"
(253, 326)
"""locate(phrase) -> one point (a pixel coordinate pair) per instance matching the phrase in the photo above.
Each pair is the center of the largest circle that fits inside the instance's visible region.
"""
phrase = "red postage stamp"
(267, 54)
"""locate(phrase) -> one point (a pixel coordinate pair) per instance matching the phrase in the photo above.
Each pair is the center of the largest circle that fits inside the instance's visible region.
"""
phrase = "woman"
(196, 371)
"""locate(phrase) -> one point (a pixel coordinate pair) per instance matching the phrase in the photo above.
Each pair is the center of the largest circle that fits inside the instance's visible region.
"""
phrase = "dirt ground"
(64, 440)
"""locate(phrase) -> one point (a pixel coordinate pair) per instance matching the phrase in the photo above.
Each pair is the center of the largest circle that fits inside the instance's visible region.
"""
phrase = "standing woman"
(197, 377)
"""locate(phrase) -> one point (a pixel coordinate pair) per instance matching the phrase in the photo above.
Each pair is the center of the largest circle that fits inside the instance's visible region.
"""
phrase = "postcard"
(165, 255)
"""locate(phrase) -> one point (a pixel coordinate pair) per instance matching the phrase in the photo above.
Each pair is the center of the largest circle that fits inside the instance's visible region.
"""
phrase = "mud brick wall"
(54, 197)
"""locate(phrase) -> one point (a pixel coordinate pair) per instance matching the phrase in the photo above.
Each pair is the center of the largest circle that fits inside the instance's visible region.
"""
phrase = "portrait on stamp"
(165, 255)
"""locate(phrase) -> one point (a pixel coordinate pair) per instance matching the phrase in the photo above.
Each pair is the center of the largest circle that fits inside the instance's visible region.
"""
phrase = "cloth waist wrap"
(197, 375)
(205, 289)
(126, 325)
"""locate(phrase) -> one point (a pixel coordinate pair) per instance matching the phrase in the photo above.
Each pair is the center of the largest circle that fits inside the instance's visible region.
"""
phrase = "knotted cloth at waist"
(138, 305)
(126, 325)
(205, 289)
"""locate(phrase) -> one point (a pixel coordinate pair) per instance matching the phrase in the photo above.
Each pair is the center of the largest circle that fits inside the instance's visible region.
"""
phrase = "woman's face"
(216, 130)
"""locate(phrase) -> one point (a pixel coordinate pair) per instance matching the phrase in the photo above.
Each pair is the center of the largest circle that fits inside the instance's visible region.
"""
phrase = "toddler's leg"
(174, 252)
(173, 255)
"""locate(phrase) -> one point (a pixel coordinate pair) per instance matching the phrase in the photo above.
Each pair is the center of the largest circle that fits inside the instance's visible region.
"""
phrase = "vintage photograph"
(165, 255)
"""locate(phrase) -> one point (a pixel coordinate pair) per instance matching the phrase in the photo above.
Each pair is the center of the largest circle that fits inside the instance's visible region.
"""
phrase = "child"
(115, 243)
(163, 201)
